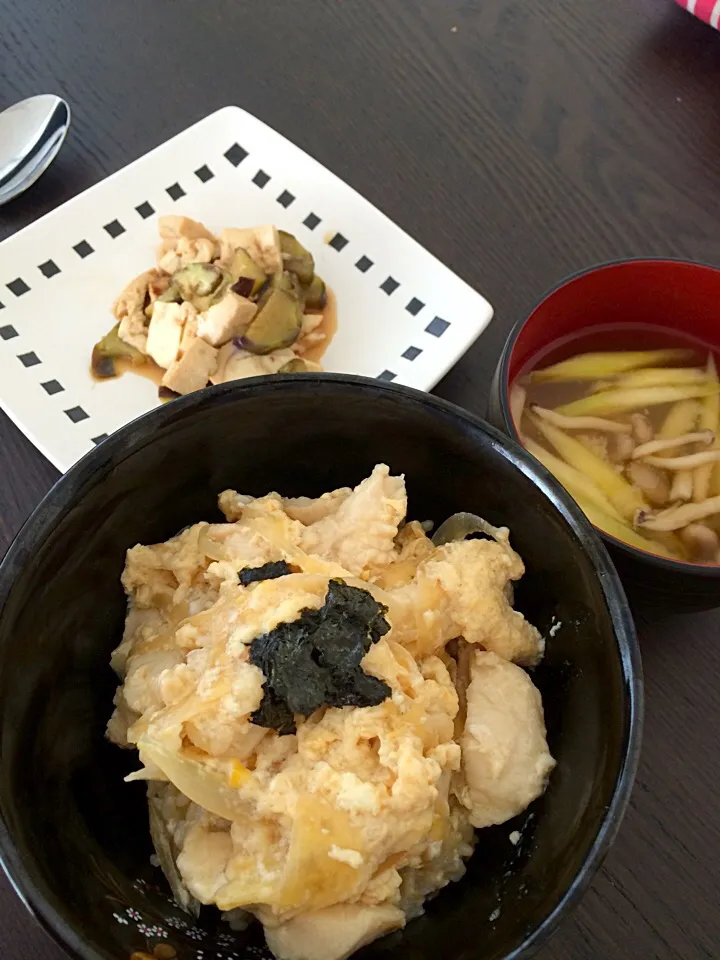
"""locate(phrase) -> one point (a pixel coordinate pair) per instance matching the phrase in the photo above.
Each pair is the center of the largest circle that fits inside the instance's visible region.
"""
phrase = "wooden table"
(519, 141)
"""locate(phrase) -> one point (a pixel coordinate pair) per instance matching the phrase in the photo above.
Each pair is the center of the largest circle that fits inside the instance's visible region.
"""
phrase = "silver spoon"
(31, 134)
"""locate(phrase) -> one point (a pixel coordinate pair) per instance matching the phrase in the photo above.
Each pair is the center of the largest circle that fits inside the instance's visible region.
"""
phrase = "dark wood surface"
(519, 141)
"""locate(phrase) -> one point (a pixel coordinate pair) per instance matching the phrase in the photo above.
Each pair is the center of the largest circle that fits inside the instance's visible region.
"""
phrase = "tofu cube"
(190, 332)
(227, 319)
(262, 243)
(166, 329)
(193, 369)
(235, 364)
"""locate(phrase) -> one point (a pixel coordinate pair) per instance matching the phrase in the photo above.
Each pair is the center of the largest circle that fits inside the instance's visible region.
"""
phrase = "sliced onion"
(166, 854)
(238, 919)
(199, 781)
(211, 548)
(461, 525)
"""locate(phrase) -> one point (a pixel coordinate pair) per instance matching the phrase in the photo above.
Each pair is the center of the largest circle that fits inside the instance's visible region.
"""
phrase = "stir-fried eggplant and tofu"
(215, 309)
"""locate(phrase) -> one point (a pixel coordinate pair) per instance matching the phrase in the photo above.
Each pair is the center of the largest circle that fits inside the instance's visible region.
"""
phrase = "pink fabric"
(707, 10)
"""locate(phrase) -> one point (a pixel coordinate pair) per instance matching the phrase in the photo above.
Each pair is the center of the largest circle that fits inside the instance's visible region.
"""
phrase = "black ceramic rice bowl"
(74, 838)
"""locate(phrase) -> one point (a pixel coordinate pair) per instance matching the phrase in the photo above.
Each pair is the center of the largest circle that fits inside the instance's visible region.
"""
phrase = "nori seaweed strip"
(268, 571)
(314, 661)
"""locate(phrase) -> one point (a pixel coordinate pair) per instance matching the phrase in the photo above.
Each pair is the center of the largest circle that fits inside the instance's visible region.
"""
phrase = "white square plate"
(402, 315)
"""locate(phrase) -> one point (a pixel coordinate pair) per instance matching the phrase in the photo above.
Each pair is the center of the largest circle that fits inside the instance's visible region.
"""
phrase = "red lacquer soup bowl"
(632, 304)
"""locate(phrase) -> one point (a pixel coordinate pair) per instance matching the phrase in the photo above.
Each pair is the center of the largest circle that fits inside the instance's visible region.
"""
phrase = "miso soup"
(628, 420)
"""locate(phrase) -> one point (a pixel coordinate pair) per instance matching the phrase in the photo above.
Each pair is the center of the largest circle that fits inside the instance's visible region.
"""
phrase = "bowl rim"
(139, 432)
(703, 571)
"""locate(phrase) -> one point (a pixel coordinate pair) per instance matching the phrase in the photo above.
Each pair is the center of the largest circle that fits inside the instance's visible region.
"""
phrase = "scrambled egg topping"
(334, 835)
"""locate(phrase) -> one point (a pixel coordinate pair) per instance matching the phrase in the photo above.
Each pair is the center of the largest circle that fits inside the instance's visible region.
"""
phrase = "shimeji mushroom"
(659, 445)
(677, 517)
(682, 486)
(653, 482)
(688, 462)
(642, 430)
(702, 542)
(580, 423)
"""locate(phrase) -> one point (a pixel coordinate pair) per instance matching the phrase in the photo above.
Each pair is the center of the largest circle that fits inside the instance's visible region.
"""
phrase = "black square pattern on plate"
(49, 269)
(338, 242)
(99, 438)
(412, 353)
(175, 191)
(76, 414)
(29, 359)
(51, 387)
(261, 179)
(311, 221)
(2, 306)
(83, 249)
(389, 286)
(8, 332)
(235, 155)
(437, 326)
(145, 210)
(387, 375)
(415, 306)
(18, 287)
(204, 173)
(364, 264)
(114, 228)
(286, 198)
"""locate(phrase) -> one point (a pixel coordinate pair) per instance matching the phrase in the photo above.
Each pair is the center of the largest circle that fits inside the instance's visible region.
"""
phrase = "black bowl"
(666, 295)
(74, 837)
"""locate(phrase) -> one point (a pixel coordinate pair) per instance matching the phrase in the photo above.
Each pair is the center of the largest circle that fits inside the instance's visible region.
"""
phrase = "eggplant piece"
(296, 258)
(277, 323)
(196, 280)
(243, 287)
(165, 393)
(171, 295)
(298, 365)
(288, 282)
(108, 350)
(315, 294)
(248, 277)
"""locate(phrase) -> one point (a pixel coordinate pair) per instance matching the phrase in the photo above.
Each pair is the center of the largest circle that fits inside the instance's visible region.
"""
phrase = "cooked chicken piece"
(308, 510)
(172, 255)
(462, 586)
(412, 546)
(310, 335)
(360, 535)
(262, 243)
(205, 854)
(193, 369)
(333, 933)
(227, 319)
(158, 286)
(506, 761)
(236, 364)
(129, 309)
(166, 330)
(232, 503)
(173, 228)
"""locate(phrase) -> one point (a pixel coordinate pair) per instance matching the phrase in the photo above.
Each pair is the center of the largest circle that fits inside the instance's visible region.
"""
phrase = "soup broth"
(628, 420)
